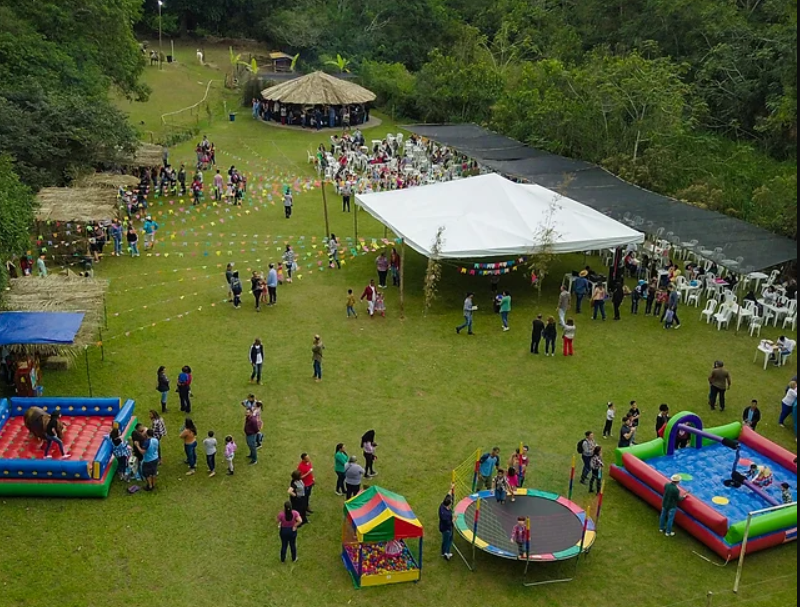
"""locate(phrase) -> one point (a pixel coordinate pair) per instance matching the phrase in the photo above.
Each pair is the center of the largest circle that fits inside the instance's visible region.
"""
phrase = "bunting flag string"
(494, 269)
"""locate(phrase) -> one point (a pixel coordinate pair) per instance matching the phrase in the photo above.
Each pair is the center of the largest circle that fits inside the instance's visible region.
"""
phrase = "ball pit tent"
(378, 525)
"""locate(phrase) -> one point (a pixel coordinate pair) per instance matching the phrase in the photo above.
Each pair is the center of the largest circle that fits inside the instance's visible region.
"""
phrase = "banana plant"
(295, 59)
(340, 63)
(251, 67)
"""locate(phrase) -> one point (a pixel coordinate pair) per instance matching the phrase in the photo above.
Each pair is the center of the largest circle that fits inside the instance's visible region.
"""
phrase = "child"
(210, 447)
(501, 487)
(669, 318)
(380, 305)
(122, 451)
(661, 298)
(569, 337)
(519, 536)
(513, 483)
(280, 273)
(236, 289)
(786, 493)
(230, 453)
(596, 466)
(611, 413)
(132, 472)
(522, 465)
(764, 477)
(752, 472)
(351, 304)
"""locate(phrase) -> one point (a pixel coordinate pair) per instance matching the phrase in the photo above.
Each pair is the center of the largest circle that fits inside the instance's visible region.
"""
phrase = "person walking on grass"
(569, 330)
(550, 334)
(788, 403)
(564, 302)
(536, 334)
(189, 436)
(669, 505)
(673, 301)
(258, 411)
(719, 383)
(505, 309)
(446, 526)
(297, 495)
(288, 203)
(289, 260)
(251, 435)
(236, 290)
(289, 521)
(132, 239)
(370, 294)
(599, 296)
(469, 309)
(340, 460)
(617, 298)
(351, 304)
(596, 465)
(582, 288)
(586, 449)
(368, 446)
(333, 253)
(611, 413)
(256, 360)
(162, 386)
(306, 469)
(272, 285)
(210, 447)
(317, 348)
(230, 453)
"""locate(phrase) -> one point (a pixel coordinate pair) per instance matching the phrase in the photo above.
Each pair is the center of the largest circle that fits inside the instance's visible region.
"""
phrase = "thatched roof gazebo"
(76, 204)
(318, 88)
(108, 180)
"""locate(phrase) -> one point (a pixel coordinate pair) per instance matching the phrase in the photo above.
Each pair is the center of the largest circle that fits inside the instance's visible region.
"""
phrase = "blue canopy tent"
(32, 331)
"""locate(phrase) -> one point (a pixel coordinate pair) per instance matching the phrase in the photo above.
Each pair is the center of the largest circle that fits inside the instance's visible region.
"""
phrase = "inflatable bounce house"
(376, 547)
(728, 472)
(87, 422)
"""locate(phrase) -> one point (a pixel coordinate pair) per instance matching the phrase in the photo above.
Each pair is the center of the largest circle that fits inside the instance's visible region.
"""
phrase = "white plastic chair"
(694, 298)
(723, 317)
(791, 319)
(710, 309)
(792, 344)
(311, 158)
(755, 325)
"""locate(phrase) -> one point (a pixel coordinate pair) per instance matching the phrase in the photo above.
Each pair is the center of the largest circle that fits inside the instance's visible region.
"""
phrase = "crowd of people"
(311, 116)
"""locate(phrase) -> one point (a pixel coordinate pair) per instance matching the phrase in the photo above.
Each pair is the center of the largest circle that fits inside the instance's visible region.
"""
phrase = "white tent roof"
(490, 216)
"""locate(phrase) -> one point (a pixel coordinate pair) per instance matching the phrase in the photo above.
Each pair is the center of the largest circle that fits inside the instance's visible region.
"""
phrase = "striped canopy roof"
(379, 515)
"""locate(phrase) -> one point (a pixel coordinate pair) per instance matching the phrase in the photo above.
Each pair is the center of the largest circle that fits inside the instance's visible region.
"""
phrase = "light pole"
(160, 53)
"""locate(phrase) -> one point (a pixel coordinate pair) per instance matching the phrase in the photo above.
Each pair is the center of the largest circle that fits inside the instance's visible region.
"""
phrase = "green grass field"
(432, 396)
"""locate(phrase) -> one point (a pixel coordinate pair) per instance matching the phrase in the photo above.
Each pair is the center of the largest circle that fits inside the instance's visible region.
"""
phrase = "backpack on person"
(579, 447)
(236, 286)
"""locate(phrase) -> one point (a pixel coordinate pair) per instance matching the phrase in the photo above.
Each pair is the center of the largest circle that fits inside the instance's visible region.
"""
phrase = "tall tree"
(16, 216)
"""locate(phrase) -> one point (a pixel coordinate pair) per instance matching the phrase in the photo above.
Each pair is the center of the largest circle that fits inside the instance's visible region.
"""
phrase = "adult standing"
(788, 403)
(469, 308)
(487, 464)
(297, 495)
(673, 302)
(669, 505)
(587, 445)
(505, 309)
(564, 302)
(347, 193)
(550, 334)
(289, 260)
(289, 520)
(288, 203)
(368, 446)
(719, 384)
(185, 389)
(272, 285)
(149, 450)
(446, 526)
(382, 264)
(340, 461)
(582, 288)
(256, 288)
(394, 266)
(162, 386)
(752, 415)
(251, 435)
(333, 252)
(599, 296)
(189, 436)
(353, 474)
(150, 228)
(370, 294)
(316, 354)
(256, 360)
(159, 428)
(133, 240)
(536, 335)
(116, 237)
(306, 469)
(617, 298)
(229, 280)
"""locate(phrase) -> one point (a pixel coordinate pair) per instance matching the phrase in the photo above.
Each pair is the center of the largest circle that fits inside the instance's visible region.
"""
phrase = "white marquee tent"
(490, 216)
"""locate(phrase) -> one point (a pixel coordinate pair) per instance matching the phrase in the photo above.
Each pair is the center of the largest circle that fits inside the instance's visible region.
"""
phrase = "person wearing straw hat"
(669, 505)
(582, 288)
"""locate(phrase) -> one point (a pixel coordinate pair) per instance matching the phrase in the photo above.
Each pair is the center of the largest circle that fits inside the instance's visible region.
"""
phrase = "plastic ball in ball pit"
(378, 562)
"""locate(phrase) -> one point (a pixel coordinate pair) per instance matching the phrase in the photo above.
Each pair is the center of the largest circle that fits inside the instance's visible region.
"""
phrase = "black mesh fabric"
(598, 189)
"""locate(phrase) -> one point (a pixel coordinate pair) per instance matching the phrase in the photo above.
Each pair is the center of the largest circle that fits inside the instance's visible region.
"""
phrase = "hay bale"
(76, 204)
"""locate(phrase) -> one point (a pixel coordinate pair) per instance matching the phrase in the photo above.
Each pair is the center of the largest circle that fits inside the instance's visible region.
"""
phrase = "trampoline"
(557, 525)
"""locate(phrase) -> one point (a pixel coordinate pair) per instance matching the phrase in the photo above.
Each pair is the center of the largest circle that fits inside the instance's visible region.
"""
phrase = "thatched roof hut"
(146, 155)
(318, 88)
(60, 293)
(76, 204)
(108, 180)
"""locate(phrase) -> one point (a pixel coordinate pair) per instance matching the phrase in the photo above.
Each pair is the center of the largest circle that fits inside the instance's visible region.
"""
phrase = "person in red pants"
(569, 337)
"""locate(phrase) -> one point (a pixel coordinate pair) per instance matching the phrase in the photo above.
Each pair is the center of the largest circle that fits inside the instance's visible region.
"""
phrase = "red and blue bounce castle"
(89, 470)
(714, 471)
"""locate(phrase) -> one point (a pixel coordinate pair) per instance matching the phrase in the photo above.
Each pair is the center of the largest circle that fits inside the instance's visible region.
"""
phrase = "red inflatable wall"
(755, 441)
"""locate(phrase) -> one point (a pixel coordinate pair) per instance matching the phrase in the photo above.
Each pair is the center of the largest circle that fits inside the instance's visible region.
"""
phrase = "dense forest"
(692, 98)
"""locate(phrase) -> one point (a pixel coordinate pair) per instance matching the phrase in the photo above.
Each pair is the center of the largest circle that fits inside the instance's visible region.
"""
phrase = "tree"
(434, 272)
(16, 215)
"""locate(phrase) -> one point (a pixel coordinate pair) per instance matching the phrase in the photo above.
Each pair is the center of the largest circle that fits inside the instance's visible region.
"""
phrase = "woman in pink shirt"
(288, 522)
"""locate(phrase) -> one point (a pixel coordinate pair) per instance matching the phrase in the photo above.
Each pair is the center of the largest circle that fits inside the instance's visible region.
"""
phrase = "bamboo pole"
(325, 207)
